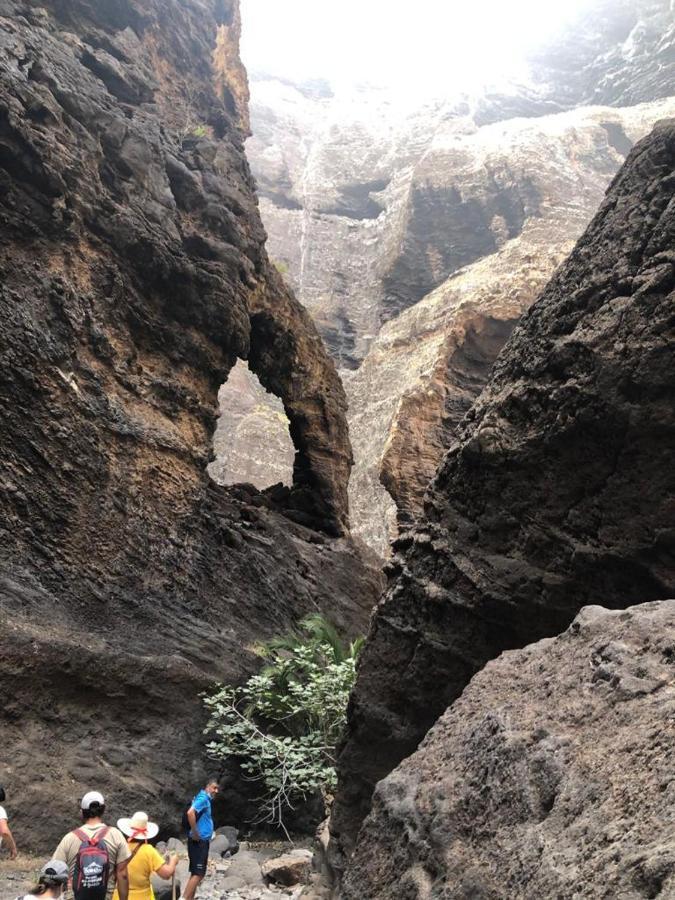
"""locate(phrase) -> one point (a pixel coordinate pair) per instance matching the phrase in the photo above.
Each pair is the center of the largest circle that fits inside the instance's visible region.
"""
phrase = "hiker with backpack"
(198, 823)
(145, 860)
(6, 836)
(96, 855)
(52, 881)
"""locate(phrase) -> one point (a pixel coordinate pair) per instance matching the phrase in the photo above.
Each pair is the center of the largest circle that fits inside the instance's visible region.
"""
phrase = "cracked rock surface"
(133, 275)
(558, 492)
(551, 776)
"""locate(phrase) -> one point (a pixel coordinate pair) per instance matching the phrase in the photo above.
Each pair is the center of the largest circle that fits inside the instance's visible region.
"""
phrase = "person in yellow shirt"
(145, 859)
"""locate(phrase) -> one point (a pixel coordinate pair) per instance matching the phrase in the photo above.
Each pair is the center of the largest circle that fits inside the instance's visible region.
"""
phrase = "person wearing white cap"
(51, 882)
(144, 859)
(95, 846)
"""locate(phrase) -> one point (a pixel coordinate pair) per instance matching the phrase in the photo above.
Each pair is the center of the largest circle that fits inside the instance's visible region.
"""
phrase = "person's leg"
(191, 886)
(198, 854)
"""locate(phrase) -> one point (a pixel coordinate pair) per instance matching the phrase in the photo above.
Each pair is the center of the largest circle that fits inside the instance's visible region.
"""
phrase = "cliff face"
(558, 491)
(373, 200)
(133, 276)
(416, 293)
(551, 776)
(427, 366)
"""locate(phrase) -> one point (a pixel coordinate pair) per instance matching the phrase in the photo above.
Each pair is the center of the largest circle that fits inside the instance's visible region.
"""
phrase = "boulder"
(175, 845)
(231, 834)
(553, 775)
(232, 883)
(219, 846)
(246, 865)
(290, 869)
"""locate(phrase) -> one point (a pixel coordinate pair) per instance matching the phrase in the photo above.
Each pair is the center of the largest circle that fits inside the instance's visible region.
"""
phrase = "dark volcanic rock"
(553, 775)
(559, 490)
(133, 276)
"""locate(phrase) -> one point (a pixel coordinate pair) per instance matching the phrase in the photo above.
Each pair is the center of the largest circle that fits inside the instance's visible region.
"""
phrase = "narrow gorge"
(398, 356)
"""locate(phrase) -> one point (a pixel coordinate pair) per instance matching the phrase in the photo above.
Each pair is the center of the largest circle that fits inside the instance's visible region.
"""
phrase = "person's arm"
(192, 819)
(167, 869)
(8, 838)
(122, 880)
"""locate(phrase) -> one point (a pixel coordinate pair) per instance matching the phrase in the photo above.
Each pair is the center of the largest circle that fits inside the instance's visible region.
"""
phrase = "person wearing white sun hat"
(145, 860)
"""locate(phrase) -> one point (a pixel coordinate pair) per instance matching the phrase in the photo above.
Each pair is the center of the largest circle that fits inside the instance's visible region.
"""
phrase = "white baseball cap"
(92, 797)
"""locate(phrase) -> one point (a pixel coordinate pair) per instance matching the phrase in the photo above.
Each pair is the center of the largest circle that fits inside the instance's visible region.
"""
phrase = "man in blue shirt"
(201, 831)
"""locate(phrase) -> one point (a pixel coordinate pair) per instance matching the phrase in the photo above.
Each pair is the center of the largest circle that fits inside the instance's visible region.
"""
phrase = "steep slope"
(133, 276)
(471, 223)
(551, 776)
(374, 198)
(427, 366)
(559, 490)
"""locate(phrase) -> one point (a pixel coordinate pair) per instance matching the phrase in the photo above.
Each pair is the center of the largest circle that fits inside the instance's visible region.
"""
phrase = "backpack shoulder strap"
(95, 838)
(135, 851)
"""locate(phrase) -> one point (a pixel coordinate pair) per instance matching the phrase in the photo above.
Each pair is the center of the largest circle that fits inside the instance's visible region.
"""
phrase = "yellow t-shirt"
(146, 861)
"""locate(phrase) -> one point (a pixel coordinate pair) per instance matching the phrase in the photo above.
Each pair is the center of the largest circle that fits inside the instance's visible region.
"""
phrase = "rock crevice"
(558, 491)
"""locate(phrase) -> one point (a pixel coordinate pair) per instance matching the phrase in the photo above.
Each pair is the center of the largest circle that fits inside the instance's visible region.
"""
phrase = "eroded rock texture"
(551, 776)
(429, 363)
(470, 224)
(133, 276)
(559, 490)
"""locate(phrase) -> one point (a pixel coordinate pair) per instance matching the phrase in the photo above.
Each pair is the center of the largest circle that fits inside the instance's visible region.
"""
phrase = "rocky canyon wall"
(551, 776)
(558, 493)
(134, 275)
(388, 213)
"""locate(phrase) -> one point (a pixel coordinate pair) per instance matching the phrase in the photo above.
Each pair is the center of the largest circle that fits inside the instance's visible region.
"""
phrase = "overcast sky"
(421, 43)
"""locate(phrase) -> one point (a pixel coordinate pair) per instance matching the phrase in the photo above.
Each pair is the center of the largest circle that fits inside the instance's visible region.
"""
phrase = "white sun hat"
(138, 827)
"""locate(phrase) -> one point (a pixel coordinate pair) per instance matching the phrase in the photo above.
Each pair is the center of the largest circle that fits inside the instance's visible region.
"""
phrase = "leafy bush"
(284, 723)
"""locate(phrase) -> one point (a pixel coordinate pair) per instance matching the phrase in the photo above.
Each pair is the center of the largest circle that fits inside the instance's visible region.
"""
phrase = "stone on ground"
(290, 869)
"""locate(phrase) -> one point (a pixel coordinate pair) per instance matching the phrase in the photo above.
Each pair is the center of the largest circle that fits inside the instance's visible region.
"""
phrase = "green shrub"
(284, 723)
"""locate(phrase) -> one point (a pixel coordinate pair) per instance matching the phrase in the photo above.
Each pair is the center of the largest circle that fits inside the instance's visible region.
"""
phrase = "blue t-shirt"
(202, 807)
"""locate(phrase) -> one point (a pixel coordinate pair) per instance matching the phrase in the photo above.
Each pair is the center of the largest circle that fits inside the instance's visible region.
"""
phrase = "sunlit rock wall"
(417, 239)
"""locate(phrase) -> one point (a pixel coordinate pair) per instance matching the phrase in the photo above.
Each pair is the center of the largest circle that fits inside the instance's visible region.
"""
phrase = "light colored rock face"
(417, 239)
(252, 443)
(333, 174)
(553, 775)
(372, 200)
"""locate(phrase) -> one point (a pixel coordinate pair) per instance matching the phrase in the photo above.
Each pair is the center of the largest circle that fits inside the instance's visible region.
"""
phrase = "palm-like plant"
(318, 633)
(316, 640)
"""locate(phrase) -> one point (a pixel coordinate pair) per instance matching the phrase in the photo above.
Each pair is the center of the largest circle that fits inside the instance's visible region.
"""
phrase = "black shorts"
(198, 852)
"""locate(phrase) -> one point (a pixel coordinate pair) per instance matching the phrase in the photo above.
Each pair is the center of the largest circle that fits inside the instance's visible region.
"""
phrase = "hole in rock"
(252, 442)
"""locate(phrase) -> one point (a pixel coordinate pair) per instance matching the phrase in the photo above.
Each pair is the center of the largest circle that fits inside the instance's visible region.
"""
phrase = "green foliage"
(284, 723)
(199, 131)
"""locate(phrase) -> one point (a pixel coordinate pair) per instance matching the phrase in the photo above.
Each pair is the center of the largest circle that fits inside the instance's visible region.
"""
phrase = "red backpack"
(92, 866)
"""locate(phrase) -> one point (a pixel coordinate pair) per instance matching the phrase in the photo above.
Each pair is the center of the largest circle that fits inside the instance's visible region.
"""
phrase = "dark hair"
(2, 793)
(43, 886)
(95, 811)
(212, 779)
